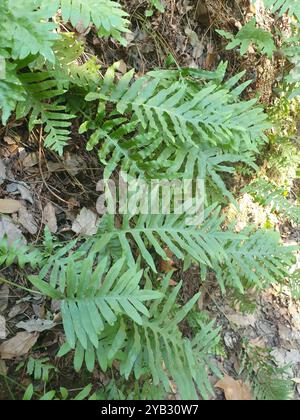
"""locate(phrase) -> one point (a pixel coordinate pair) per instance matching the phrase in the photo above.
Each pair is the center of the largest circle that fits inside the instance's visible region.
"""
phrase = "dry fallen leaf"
(8, 206)
(4, 293)
(18, 346)
(26, 219)
(12, 232)
(2, 328)
(36, 325)
(86, 223)
(2, 172)
(242, 320)
(50, 217)
(25, 193)
(234, 390)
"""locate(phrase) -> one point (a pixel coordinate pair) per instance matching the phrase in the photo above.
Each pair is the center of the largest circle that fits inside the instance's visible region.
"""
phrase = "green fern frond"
(258, 261)
(40, 368)
(26, 30)
(159, 231)
(87, 304)
(156, 347)
(292, 7)
(18, 253)
(294, 284)
(248, 35)
(11, 90)
(268, 194)
(41, 87)
(106, 15)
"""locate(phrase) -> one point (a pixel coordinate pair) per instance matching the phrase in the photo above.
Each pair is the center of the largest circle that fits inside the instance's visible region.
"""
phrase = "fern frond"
(87, 304)
(157, 347)
(268, 194)
(292, 7)
(189, 114)
(160, 231)
(40, 368)
(106, 15)
(248, 35)
(41, 87)
(11, 90)
(27, 30)
(259, 261)
(18, 253)
(294, 284)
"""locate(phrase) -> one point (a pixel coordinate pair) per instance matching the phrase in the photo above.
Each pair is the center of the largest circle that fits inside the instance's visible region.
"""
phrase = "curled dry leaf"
(18, 346)
(234, 390)
(9, 206)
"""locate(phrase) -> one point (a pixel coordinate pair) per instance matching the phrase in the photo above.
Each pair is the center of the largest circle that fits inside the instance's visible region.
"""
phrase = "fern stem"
(10, 283)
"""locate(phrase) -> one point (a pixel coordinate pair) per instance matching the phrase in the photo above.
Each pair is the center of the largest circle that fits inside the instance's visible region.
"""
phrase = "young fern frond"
(249, 34)
(40, 369)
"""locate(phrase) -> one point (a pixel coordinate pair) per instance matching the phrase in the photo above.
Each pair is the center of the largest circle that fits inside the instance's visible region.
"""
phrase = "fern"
(291, 7)
(40, 87)
(267, 381)
(294, 284)
(25, 29)
(156, 342)
(11, 90)
(267, 194)
(248, 35)
(86, 307)
(18, 252)
(258, 261)
(106, 15)
(40, 368)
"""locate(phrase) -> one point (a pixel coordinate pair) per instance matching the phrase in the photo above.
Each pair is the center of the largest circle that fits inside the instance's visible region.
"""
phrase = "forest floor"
(53, 191)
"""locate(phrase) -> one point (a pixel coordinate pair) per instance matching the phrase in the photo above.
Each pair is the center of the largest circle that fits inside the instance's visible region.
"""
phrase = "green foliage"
(268, 382)
(36, 69)
(267, 194)
(248, 35)
(291, 7)
(62, 395)
(18, 252)
(294, 284)
(117, 311)
(40, 368)
(158, 5)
